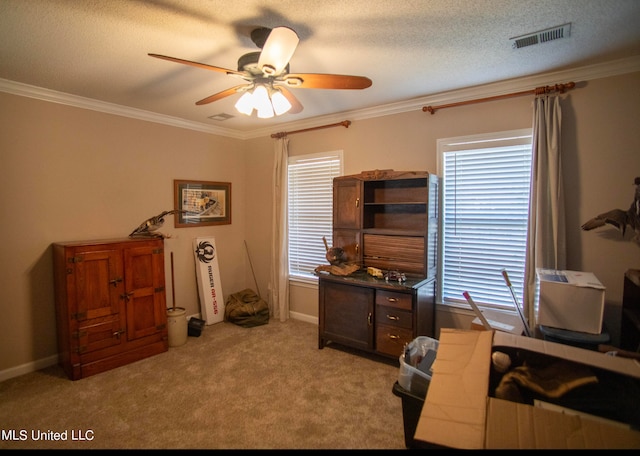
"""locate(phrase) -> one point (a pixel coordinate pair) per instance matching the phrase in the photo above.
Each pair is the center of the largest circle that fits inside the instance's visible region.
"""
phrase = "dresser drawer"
(391, 340)
(393, 299)
(393, 316)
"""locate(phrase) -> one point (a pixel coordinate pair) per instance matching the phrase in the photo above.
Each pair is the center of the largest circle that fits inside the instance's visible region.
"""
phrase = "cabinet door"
(347, 314)
(97, 282)
(349, 241)
(347, 205)
(144, 291)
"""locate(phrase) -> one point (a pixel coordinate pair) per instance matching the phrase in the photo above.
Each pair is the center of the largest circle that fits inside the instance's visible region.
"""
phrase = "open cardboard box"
(459, 411)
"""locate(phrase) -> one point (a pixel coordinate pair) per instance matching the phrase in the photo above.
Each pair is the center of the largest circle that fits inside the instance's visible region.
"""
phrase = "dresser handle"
(393, 336)
(393, 317)
(357, 202)
(392, 300)
(369, 318)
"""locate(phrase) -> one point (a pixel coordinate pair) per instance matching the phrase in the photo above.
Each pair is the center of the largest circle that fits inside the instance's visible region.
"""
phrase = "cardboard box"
(570, 300)
(460, 413)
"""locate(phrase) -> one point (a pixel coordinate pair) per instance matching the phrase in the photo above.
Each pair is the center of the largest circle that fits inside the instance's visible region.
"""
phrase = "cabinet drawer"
(98, 334)
(391, 340)
(392, 299)
(393, 316)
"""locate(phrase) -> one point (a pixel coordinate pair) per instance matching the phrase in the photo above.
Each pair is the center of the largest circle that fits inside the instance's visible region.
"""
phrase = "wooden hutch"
(387, 220)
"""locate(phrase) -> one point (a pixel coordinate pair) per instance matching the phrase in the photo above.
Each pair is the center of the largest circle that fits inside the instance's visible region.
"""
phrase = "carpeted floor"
(267, 387)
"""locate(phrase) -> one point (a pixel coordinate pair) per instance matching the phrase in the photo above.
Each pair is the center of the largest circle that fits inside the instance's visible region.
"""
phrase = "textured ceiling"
(98, 49)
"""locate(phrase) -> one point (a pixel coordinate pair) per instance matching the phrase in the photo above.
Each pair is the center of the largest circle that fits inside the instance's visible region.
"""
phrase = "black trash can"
(411, 409)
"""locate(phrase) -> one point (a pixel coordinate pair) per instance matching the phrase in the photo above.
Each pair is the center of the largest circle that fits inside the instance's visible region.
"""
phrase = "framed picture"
(204, 203)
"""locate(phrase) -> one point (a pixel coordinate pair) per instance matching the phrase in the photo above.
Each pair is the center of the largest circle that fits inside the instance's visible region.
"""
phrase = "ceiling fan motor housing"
(259, 36)
(249, 62)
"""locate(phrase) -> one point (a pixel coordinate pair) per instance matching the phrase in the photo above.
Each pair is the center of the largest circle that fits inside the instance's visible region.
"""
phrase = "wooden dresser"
(110, 303)
(388, 220)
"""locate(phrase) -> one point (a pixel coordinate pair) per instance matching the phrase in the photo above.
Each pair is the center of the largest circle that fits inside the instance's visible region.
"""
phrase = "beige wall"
(73, 174)
(601, 158)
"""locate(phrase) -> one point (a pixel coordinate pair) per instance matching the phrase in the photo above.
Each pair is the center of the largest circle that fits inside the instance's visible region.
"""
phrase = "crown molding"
(25, 90)
(579, 74)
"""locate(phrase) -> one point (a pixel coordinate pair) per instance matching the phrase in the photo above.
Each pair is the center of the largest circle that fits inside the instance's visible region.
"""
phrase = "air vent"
(550, 34)
(221, 117)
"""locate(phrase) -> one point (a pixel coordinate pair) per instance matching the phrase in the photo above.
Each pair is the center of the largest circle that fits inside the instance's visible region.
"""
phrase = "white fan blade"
(278, 50)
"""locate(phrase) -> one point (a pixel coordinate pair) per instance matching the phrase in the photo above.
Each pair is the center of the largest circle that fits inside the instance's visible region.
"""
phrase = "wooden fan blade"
(220, 95)
(326, 81)
(197, 64)
(296, 106)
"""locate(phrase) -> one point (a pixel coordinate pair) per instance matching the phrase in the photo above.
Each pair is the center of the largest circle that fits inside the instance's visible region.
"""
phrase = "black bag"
(246, 308)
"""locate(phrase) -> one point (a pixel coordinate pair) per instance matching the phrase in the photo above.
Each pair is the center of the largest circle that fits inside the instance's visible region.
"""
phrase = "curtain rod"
(537, 91)
(282, 134)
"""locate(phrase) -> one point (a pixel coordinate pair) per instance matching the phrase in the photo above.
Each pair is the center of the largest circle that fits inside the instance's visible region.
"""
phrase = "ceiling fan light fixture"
(261, 102)
(266, 112)
(280, 102)
(244, 104)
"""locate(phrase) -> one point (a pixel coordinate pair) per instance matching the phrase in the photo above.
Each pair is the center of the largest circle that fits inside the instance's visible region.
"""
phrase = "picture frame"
(204, 203)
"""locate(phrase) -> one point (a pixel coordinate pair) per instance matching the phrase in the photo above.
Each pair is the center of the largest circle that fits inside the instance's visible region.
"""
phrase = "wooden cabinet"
(372, 314)
(110, 303)
(388, 220)
(346, 314)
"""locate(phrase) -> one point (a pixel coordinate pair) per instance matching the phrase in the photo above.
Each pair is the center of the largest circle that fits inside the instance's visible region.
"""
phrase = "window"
(484, 213)
(310, 182)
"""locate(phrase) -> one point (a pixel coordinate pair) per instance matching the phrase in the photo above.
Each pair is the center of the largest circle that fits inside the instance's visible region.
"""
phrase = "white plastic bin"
(415, 365)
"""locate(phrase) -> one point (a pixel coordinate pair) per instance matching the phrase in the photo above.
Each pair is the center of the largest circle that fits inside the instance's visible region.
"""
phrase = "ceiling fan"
(267, 78)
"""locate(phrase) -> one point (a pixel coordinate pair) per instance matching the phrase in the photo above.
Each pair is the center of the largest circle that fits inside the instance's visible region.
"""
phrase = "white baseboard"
(303, 317)
(28, 368)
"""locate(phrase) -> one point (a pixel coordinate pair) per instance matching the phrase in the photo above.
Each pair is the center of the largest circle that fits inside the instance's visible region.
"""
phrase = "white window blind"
(484, 210)
(310, 187)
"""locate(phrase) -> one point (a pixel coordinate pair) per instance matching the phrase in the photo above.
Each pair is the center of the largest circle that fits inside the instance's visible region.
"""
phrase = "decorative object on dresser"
(619, 218)
(149, 227)
(110, 303)
(383, 220)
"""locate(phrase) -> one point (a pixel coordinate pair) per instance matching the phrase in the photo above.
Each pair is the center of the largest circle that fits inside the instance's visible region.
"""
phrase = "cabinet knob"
(126, 296)
(115, 281)
(116, 334)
